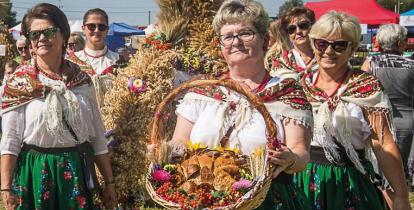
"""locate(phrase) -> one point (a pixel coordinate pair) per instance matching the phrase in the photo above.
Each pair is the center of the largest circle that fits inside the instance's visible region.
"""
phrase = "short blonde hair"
(236, 11)
(78, 39)
(340, 24)
(390, 36)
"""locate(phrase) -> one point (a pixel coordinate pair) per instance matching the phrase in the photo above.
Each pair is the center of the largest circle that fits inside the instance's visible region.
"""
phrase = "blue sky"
(134, 12)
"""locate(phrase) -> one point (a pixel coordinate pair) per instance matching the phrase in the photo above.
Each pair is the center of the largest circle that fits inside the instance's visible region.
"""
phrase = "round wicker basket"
(257, 194)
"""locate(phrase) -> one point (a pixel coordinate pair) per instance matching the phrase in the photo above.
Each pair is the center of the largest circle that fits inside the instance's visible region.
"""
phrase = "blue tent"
(408, 13)
(117, 32)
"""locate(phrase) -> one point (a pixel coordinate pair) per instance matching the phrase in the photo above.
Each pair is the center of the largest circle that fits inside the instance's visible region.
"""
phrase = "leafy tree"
(405, 5)
(7, 16)
(288, 5)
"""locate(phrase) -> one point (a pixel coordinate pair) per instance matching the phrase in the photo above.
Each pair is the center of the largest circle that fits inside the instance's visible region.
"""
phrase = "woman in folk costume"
(299, 60)
(351, 115)
(50, 115)
(96, 59)
(206, 115)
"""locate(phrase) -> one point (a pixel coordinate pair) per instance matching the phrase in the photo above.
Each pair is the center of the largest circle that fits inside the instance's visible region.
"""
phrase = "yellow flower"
(222, 149)
(259, 151)
(195, 146)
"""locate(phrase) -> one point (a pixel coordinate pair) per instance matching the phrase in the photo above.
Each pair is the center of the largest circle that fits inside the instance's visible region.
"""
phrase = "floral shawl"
(361, 89)
(24, 86)
(282, 96)
(284, 64)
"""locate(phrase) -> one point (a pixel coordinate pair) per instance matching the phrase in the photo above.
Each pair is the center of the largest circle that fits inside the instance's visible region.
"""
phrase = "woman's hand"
(401, 203)
(282, 158)
(109, 196)
(9, 200)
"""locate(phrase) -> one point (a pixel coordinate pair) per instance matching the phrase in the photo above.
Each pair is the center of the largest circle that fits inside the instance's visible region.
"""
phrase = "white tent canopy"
(407, 20)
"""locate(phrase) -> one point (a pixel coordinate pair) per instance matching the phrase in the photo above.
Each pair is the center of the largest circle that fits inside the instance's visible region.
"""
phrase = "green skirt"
(331, 187)
(285, 196)
(50, 181)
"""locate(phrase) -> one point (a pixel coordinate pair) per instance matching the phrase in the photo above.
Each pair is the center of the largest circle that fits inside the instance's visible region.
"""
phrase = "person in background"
(396, 74)
(51, 125)
(278, 42)
(96, 59)
(76, 42)
(22, 46)
(96, 53)
(352, 115)
(9, 68)
(296, 23)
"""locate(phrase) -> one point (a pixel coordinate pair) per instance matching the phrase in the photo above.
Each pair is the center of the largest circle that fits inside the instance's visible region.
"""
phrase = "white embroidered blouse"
(100, 60)
(27, 124)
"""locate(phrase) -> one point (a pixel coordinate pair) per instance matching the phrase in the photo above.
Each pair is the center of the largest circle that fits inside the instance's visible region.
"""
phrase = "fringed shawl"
(24, 86)
(282, 96)
(284, 64)
(361, 89)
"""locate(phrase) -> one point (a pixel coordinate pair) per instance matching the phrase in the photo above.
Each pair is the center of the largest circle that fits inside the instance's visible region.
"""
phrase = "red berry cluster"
(202, 198)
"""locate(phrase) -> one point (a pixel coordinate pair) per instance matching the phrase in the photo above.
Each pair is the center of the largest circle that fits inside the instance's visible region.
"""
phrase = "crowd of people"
(347, 133)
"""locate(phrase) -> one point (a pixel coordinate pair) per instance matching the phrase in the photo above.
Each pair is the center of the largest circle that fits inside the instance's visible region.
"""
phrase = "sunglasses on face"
(92, 27)
(21, 49)
(339, 46)
(305, 25)
(48, 33)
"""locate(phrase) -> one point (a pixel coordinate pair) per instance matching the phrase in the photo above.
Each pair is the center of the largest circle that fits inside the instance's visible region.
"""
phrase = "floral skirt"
(50, 181)
(285, 196)
(340, 187)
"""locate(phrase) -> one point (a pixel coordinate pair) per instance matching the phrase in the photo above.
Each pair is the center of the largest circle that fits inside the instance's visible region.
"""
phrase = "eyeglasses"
(92, 27)
(21, 49)
(48, 33)
(304, 25)
(244, 36)
(339, 46)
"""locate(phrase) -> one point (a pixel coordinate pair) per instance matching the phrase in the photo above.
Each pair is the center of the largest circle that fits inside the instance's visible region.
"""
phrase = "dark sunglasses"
(339, 46)
(48, 33)
(71, 44)
(21, 49)
(305, 25)
(92, 27)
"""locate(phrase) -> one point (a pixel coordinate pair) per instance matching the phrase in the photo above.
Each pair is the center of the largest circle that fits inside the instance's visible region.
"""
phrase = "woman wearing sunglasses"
(96, 53)
(295, 62)
(351, 115)
(51, 125)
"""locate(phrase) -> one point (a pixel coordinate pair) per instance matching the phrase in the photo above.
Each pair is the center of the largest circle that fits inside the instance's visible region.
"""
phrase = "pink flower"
(242, 184)
(312, 186)
(81, 200)
(67, 175)
(161, 176)
(137, 85)
(46, 196)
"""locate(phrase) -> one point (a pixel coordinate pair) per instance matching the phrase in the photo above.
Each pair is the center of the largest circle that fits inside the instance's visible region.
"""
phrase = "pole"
(149, 17)
(398, 7)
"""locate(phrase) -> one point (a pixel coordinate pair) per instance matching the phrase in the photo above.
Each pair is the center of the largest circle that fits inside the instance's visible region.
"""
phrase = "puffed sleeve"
(191, 106)
(13, 123)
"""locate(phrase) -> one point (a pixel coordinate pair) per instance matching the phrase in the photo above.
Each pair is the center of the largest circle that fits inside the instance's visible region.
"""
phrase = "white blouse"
(206, 114)
(359, 126)
(26, 124)
(101, 63)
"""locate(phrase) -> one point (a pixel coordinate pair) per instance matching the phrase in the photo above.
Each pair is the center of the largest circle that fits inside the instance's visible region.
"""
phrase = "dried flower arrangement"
(130, 105)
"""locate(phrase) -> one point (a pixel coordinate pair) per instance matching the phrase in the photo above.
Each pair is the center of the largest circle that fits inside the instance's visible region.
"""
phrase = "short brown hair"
(96, 11)
(47, 12)
(297, 12)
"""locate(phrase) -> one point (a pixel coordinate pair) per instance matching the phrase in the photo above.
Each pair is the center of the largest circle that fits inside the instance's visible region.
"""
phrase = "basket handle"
(254, 100)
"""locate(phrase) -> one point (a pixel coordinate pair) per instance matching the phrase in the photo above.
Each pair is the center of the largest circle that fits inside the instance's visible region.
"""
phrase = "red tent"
(368, 11)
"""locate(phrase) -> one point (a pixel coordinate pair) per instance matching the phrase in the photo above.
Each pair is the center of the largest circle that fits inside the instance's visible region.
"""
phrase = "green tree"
(288, 5)
(405, 5)
(7, 16)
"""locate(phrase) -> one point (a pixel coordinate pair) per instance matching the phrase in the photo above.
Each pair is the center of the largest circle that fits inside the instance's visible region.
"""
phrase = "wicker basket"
(257, 194)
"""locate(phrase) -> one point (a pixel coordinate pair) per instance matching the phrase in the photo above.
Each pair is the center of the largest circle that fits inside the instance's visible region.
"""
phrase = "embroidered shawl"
(361, 89)
(282, 96)
(102, 83)
(24, 86)
(284, 64)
